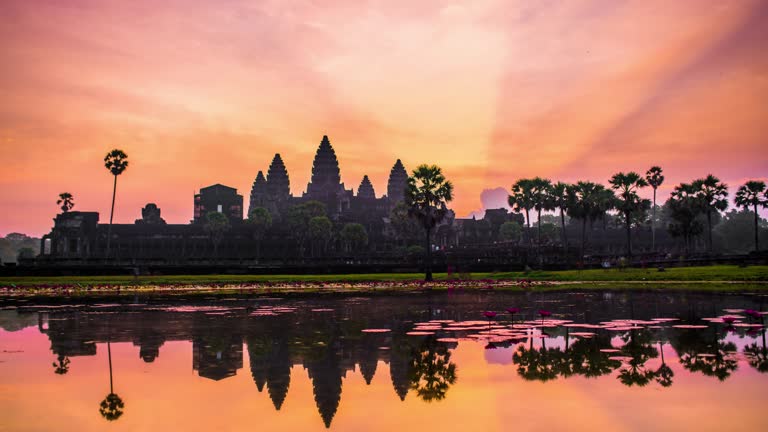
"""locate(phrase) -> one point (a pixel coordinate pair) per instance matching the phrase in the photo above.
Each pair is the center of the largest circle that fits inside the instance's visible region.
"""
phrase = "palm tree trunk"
(538, 233)
(709, 231)
(583, 236)
(428, 255)
(562, 227)
(111, 213)
(109, 354)
(627, 216)
(653, 223)
(757, 248)
(528, 224)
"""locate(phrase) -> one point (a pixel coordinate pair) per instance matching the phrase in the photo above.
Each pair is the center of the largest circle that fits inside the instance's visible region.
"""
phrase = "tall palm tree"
(426, 195)
(116, 162)
(66, 201)
(684, 207)
(628, 202)
(558, 199)
(654, 178)
(752, 194)
(522, 200)
(713, 197)
(541, 202)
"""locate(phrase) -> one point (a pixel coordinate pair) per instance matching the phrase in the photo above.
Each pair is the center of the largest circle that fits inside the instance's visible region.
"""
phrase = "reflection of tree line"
(702, 351)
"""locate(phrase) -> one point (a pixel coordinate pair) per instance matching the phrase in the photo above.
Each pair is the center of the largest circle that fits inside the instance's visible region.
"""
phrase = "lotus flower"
(545, 313)
(753, 313)
(513, 310)
(489, 314)
(729, 320)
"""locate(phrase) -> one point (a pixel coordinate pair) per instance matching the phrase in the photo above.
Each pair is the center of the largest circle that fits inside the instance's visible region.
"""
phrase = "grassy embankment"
(711, 278)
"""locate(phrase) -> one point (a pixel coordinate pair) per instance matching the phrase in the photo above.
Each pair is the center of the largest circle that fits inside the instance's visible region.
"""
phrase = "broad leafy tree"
(426, 196)
(655, 179)
(354, 236)
(116, 162)
(260, 221)
(752, 195)
(66, 201)
(510, 231)
(432, 371)
(713, 198)
(320, 230)
(628, 202)
(216, 225)
(298, 218)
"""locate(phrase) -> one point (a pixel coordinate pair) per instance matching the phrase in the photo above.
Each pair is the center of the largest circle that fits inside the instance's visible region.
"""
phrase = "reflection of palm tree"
(61, 367)
(111, 408)
(711, 359)
(757, 356)
(664, 373)
(585, 358)
(432, 371)
(540, 365)
(640, 350)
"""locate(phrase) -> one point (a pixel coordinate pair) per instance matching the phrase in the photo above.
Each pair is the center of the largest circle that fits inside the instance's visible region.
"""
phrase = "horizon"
(492, 92)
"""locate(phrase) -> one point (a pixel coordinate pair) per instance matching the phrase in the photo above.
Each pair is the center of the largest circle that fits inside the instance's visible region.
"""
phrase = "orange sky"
(200, 92)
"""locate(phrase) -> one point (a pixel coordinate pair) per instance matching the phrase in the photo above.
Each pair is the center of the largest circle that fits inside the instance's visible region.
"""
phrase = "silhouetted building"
(398, 181)
(218, 198)
(150, 215)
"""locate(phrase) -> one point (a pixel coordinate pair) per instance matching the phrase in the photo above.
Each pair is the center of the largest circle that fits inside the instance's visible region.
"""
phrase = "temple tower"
(365, 190)
(278, 183)
(326, 177)
(259, 193)
(398, 180)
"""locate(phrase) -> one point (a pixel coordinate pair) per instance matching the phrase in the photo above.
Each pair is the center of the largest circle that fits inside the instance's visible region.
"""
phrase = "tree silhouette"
(260, 221)
(638, 347)
(426, 196)
(558, 199)
(664, 373)
(713, 198)
(66, 201)
(320, 230)
(522, 199)
(654, 178)
(752, 194)
(116, 162)
(354, 236)
(537, 364)
(757, 356)
(585, 204)
(216, 225)
(628, 202)
(707, 355)
(432, 372)
(61, 366)
(684, 206)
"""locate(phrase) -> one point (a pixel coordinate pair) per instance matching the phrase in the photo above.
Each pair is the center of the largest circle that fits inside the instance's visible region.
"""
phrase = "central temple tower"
(326, 185)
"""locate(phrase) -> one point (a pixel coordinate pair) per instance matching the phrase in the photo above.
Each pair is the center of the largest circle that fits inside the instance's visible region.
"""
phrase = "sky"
(199, 92)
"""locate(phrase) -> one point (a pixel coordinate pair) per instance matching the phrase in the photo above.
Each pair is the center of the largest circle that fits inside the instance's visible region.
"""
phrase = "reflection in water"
(590, 337)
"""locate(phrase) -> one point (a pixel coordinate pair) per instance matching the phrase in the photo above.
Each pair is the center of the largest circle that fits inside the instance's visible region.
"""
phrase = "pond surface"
(563, 361)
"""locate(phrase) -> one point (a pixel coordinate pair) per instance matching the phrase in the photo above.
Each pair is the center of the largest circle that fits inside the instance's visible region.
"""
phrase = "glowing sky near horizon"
(202, 92)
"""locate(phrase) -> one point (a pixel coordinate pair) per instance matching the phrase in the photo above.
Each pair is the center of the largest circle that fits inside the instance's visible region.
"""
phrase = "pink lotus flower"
(545, 313)
(513, 310)
(752, 313)
(729, 320)
(489, 314)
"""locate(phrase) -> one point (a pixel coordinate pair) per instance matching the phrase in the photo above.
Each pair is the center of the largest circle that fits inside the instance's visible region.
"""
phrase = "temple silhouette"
(385, 237)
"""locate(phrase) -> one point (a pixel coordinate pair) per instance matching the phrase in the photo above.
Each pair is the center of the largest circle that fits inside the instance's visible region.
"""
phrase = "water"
(350, 364)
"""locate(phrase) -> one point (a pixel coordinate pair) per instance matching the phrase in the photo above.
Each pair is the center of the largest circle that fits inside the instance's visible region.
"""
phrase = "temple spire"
(278, 183)
(365, 190)
(398, 180)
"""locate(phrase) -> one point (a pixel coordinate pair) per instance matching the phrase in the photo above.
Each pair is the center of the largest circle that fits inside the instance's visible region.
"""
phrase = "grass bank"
(679, 274)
